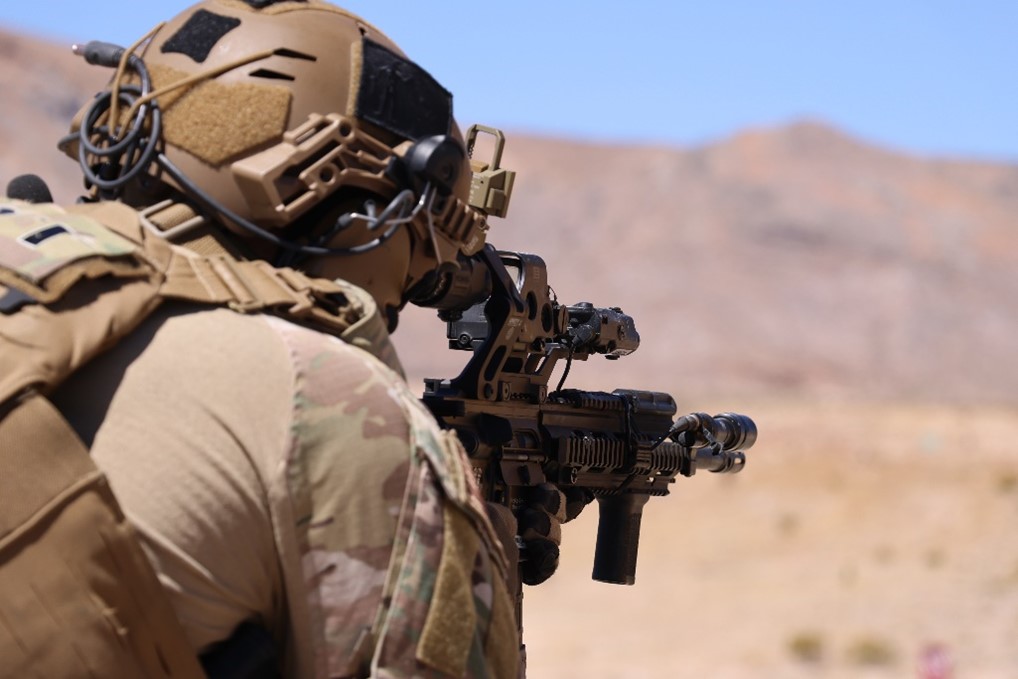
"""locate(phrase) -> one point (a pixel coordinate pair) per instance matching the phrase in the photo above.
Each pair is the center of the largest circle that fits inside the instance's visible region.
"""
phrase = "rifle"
(621, 447)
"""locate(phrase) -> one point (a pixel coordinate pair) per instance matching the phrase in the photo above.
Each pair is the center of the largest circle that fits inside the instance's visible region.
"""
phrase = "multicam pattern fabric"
(36, 240)
(370, 332)
(404, 574)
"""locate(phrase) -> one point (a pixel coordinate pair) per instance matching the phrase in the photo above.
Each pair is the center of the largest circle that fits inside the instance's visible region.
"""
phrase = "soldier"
(270, 182)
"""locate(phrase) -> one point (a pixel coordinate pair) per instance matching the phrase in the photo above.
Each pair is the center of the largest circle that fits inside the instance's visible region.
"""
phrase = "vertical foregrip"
(618, 537)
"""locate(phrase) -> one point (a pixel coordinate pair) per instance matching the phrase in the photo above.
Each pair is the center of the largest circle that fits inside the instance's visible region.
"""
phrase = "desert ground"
(857, 537)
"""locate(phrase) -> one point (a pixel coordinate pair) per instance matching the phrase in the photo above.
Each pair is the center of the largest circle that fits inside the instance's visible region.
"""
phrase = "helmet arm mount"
(386, 218)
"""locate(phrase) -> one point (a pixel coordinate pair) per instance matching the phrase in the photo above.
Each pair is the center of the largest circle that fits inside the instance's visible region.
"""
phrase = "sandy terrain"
(857, 536)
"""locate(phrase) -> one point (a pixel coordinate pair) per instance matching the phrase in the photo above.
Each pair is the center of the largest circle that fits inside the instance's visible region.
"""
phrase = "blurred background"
(812, 213)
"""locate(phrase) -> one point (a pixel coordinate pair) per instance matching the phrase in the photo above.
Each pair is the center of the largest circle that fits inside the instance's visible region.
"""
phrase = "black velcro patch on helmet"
(199, 34)
(399, 96)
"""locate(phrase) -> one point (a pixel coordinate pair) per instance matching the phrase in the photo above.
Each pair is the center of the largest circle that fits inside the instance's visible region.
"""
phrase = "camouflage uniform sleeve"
(403, 575)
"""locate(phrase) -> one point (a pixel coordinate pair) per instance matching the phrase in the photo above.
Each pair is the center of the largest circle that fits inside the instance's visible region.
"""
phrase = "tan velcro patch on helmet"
(217, 122)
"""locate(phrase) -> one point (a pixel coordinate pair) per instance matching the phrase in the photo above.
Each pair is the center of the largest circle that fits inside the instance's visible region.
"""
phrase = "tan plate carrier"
(77, 595)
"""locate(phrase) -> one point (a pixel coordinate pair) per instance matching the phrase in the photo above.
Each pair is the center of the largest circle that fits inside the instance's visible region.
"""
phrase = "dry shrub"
(807, 647)
(871, 651)
(1007, 482)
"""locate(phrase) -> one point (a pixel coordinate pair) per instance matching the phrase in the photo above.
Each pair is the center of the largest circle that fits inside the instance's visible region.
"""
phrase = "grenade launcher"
(621, 447)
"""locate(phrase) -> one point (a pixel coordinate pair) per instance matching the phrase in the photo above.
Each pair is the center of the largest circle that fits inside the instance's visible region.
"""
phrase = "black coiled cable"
(108, 161)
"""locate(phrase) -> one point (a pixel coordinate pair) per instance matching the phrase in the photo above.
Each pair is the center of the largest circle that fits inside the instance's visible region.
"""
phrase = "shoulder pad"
(44, 250)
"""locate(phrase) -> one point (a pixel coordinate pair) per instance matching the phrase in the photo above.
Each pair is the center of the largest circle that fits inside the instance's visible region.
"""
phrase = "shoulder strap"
(223, 280)
(336, 307)
(45, 251)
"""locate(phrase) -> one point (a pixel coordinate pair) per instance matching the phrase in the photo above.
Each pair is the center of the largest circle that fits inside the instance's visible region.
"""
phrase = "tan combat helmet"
(296, 122)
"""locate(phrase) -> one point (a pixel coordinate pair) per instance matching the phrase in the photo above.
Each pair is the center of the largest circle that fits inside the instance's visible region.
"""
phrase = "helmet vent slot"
(294, 54)
(270, 74)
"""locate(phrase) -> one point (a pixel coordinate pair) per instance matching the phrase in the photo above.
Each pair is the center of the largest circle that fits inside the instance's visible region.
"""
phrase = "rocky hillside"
(794, 260)
(858, 302)
(44, 85)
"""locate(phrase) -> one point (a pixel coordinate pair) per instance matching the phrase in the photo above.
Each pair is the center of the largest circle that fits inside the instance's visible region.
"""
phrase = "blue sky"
(933, 78)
